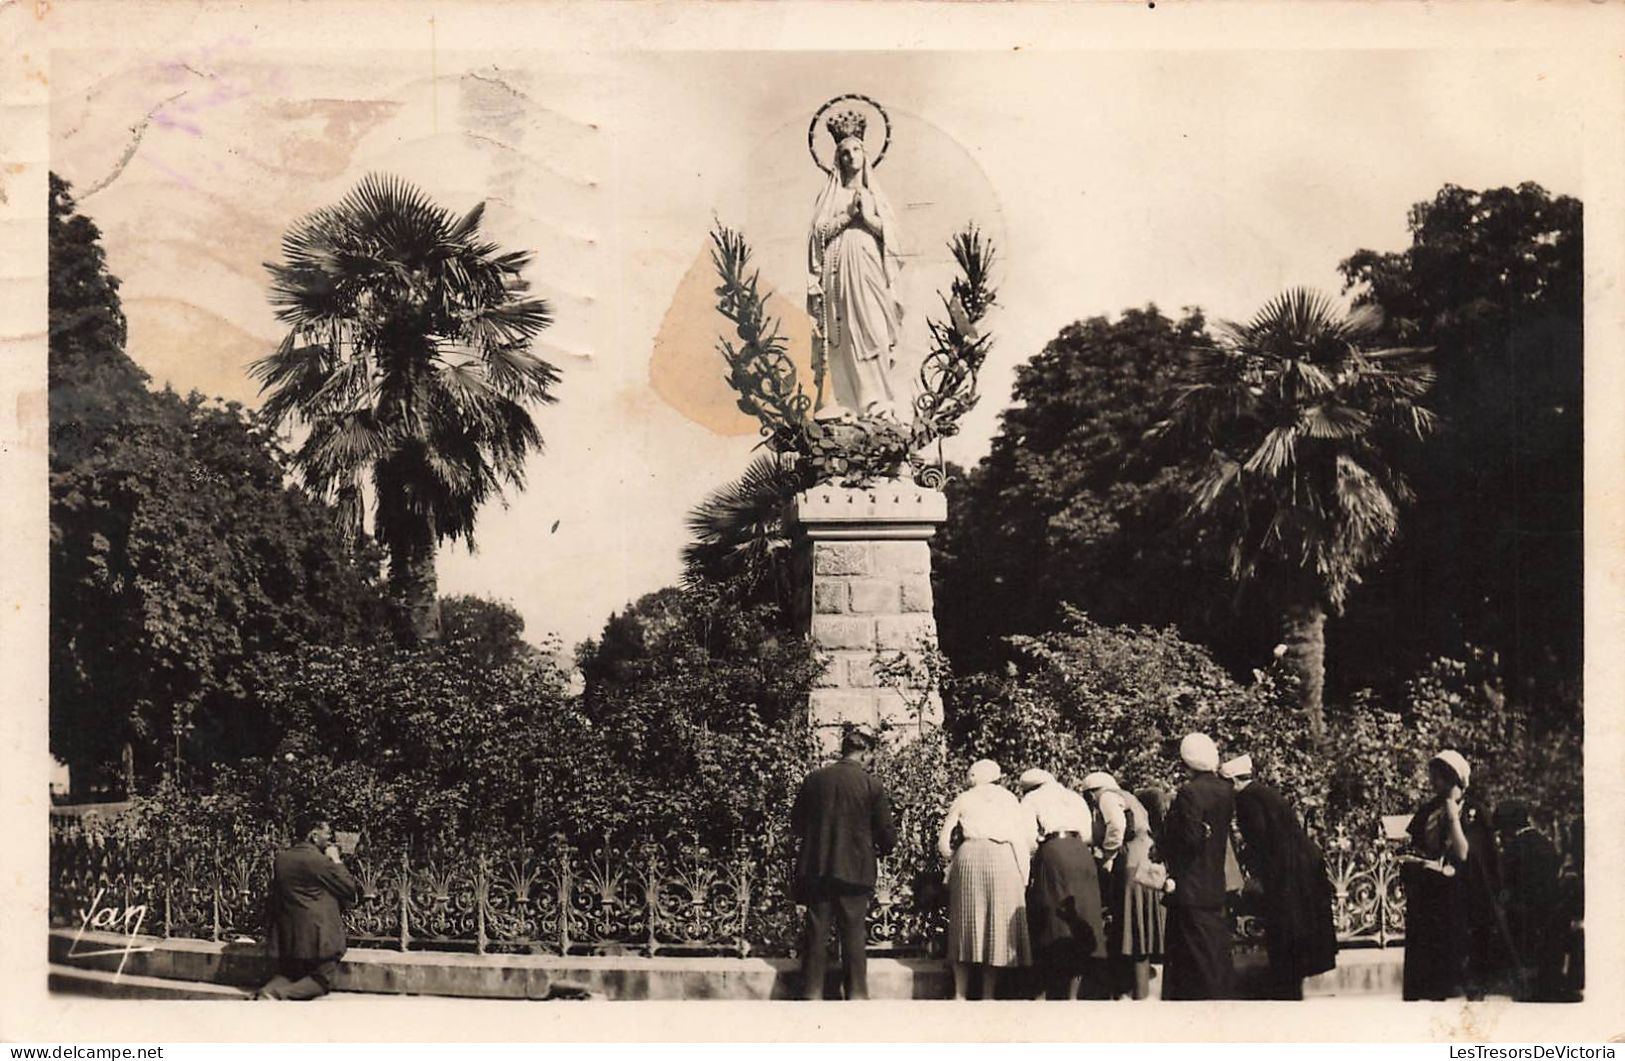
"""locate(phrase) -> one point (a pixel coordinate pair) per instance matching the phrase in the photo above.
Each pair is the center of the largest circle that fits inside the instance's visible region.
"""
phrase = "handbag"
(1151, 875)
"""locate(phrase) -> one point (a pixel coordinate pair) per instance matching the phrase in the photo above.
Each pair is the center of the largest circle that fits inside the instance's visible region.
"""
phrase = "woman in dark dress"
(1449, 876)
(1063, 893)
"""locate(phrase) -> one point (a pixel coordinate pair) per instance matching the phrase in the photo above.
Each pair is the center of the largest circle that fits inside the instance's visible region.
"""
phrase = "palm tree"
(407, 357)
(1299, 420)
(739, 536)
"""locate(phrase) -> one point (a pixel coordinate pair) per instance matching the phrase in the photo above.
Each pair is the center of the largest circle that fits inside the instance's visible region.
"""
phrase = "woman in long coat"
(987, 879)
(1291, 872)
(1450, 876)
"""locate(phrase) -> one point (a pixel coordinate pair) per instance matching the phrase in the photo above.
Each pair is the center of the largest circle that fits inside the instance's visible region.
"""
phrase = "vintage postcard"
(861, 518)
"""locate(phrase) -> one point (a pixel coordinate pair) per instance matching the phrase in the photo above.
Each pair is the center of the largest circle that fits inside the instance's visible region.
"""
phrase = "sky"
(1108, 180)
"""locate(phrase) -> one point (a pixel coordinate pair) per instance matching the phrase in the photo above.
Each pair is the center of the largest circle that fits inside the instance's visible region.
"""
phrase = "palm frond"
(1221, 477)
(1292, 415)
(738, 530)
(339, 446)
(294, 374)
(521, 374)
(467, 225)
(1333, 420)
(1274, 452)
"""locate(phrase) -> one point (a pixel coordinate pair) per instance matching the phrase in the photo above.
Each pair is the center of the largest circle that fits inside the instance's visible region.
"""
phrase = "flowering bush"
(1094, 697)
(1378, 755)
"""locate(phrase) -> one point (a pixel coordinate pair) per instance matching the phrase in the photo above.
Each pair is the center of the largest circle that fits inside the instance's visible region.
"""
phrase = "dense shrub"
(700, 705)
(1379, 753)
(1094, 697)
(692, 730)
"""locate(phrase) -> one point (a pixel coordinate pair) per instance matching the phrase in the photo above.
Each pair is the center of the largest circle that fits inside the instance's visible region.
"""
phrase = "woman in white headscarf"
(1131, 884)
(852, 266)
(987, 879)
(1195, 842)
(1449, 874)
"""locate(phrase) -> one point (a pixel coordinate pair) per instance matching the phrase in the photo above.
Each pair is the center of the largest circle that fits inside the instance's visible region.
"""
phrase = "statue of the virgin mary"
(852, 265)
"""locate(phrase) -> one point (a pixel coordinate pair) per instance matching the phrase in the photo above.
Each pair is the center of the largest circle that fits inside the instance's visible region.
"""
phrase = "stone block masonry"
(867, 555)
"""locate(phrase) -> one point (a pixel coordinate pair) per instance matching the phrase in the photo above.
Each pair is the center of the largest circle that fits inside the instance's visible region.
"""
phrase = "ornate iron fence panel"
(607, 905)
(645, 897)
(521, 901)
(376, 916)
(188, 879)
(1368, 904)
(696, 900)
(442, 899)
(242, 888)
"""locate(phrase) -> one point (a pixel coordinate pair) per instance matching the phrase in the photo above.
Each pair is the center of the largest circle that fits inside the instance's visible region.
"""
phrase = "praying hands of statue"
(862, 210)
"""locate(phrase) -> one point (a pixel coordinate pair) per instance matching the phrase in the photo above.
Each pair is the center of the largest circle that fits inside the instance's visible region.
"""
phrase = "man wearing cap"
(1296, 895)
(1063, 894)
(1195, 837)
(310, 890)
(842, 819)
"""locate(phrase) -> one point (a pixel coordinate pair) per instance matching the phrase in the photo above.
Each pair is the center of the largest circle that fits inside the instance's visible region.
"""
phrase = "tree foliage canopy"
(178, 553)
(1073, 504)
(1494, 553)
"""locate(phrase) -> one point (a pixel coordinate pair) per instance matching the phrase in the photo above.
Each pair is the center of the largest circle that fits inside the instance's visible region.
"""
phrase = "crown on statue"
(845, 124)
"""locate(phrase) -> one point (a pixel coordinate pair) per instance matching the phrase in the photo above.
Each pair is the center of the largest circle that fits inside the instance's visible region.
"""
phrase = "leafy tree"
(1073, 505)
(489, 634)
(407, 356)
(702, 704)
(1493, 282)
(177, 554)
(1087, 697)
(1302, 422)
(177, 558)
(94, 386)
(411, 741)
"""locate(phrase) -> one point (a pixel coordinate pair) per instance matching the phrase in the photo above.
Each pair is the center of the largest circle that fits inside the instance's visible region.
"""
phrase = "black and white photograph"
(795, 505)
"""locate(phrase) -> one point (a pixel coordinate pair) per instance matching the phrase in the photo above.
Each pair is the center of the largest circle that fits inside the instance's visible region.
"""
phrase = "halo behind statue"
(858, 112)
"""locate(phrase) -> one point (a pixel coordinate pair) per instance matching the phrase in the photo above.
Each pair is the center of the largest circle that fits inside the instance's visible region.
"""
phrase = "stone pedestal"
(865, 568)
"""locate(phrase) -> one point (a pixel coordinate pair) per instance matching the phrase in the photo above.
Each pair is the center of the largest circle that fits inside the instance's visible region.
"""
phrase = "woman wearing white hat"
(1196, 842)
(987, 879)
(1448, 874)
(1131, 889)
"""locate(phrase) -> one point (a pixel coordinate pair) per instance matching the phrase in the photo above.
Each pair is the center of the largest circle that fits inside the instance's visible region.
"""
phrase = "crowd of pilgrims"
(1092, 887)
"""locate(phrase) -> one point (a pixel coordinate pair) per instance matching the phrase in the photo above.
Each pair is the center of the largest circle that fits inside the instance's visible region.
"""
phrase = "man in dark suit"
(1532, 898)
(842, 820)
(310, 890)
(1195, 836)
(1290, 874)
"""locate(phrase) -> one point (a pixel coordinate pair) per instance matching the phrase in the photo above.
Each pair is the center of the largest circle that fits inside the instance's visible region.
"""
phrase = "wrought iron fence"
(560, 898)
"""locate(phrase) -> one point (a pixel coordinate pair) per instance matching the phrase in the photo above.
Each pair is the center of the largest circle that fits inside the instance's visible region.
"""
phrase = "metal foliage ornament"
(855, 451)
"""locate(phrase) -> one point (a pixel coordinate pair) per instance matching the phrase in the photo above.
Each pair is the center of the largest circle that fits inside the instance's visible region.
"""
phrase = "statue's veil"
(827, 209)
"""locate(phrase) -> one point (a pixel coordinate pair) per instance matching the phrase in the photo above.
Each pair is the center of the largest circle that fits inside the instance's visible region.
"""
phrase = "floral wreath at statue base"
(855, 451)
